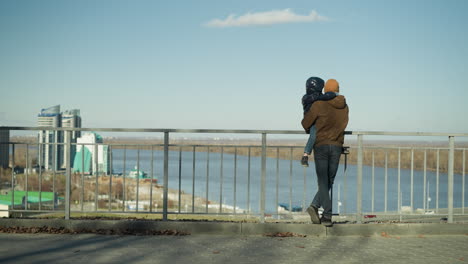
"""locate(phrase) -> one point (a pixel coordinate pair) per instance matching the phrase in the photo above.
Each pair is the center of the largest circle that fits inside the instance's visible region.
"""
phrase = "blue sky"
(234, 64)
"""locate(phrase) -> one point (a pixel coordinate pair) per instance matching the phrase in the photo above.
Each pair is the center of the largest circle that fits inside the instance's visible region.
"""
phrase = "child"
(314, 86)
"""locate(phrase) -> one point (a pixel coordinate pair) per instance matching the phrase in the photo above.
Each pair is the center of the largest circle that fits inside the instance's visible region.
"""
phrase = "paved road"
(91, 248)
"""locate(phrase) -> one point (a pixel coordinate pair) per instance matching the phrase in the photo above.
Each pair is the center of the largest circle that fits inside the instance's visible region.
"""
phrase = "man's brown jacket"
(330, 119)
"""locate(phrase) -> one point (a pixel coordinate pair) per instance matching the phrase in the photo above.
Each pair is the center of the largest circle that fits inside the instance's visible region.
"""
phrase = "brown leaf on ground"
(61, 230)
(215, 252)
(300, 246)
(421, 236)
(384, 234)
(284, 234)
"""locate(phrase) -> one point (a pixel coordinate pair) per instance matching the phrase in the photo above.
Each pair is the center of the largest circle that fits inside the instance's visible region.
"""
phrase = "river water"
(296, 184)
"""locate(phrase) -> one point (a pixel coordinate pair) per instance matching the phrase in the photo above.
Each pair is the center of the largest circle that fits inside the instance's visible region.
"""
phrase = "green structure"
(6, 199)
(33, 198)
(135, 173)
(91, 158)
(17, 200)
(82, 162)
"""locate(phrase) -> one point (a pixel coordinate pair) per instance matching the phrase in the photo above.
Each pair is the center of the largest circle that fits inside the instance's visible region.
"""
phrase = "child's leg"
(311, 141)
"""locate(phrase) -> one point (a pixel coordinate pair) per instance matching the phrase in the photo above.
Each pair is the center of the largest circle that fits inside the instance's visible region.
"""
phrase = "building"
(53, 143)
(91, 158)
(70, 119)
(51, 154)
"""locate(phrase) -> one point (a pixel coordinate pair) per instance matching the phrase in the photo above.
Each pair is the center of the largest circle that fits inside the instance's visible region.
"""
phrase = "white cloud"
(266, 18)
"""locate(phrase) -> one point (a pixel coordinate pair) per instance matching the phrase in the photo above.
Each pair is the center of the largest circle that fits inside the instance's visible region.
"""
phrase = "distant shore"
(387, 153)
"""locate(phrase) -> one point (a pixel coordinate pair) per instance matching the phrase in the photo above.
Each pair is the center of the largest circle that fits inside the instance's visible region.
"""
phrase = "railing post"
(450, 178)
(412, 181)
(463, 182)
(437, 181)
(359, 181)
(68, 176)
(263, 180)
(373, 182)
(345, 183)
(13, 177)
(166, 174)
(425, 181)
(386, 183)
(399, 181)
(96, 174)
(4, 147)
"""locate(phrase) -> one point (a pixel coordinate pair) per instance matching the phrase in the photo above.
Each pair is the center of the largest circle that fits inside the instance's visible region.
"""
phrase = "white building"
(52, 148)
(93, 157)
(50, 152)
(71, 119)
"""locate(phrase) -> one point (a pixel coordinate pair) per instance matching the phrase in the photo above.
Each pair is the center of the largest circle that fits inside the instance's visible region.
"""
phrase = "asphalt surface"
(93, 248)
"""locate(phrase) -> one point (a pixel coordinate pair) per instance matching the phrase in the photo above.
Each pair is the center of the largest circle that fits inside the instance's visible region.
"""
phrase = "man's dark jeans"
(327, 158)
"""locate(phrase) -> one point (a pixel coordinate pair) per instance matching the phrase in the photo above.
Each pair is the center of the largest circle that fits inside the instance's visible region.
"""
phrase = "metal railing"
(275, 161)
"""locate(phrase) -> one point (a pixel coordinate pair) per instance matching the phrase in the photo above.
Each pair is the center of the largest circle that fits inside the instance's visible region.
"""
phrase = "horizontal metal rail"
(385, 184)
(230, 131)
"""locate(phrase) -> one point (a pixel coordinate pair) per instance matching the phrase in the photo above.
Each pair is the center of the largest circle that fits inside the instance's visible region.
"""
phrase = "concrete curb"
(247, 229)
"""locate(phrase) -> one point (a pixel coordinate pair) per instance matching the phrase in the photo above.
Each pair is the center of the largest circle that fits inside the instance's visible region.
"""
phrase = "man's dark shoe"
(314, 216)
(326, 221)
(305, 161)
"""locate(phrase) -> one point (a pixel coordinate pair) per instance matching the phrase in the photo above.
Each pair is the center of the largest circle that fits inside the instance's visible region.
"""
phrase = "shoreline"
(293, 150)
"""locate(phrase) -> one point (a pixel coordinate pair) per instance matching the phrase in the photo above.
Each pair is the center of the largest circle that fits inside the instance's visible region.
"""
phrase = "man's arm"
(311, 116)
(311, 98)
(326, 96)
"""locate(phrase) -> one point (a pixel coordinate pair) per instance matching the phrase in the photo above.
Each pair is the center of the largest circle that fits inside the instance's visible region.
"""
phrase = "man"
(330, 119)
